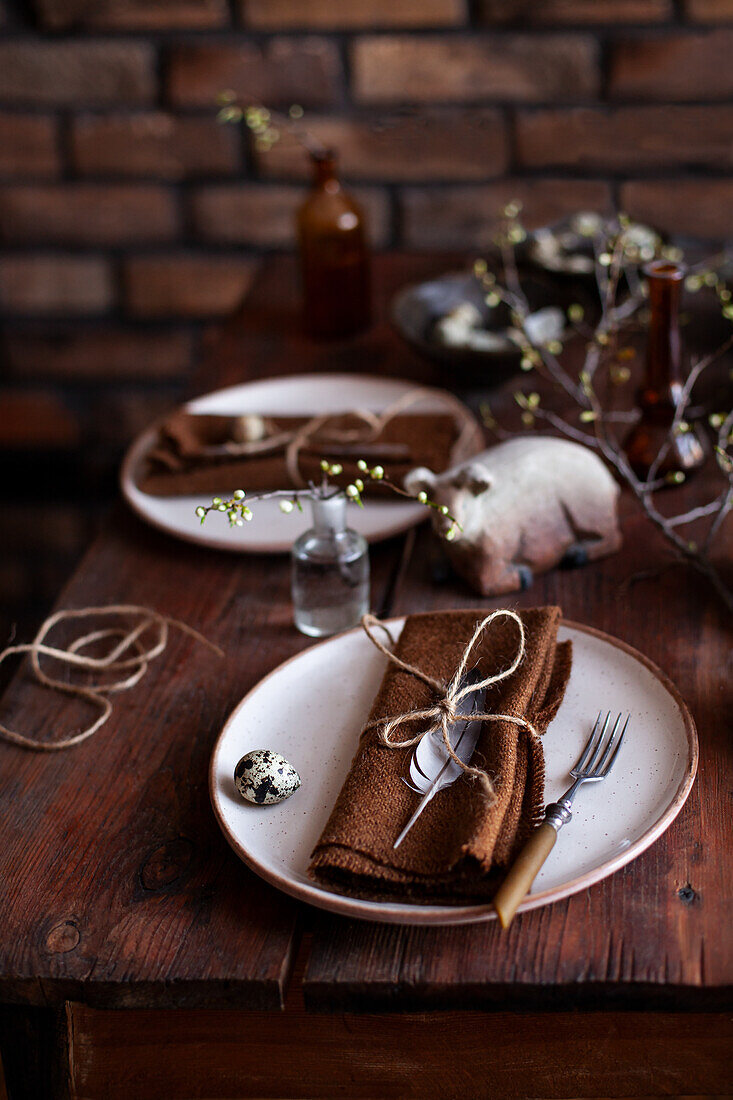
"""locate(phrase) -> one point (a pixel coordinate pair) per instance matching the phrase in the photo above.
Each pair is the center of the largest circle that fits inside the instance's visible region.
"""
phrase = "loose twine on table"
(118, 659)
(328, 433)
(444, 712)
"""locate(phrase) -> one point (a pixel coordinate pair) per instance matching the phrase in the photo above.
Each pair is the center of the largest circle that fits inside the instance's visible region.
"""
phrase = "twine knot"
(447, 707)
(443, 713)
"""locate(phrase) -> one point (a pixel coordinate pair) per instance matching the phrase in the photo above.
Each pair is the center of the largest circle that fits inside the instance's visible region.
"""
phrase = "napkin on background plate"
(461, 844)
(182, 463)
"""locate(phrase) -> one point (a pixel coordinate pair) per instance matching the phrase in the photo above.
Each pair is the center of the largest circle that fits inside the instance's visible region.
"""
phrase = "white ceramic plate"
(292, 711)
(270, 531)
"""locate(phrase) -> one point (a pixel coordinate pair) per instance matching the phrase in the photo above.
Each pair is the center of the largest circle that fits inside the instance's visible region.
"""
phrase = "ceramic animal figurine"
(525, 506)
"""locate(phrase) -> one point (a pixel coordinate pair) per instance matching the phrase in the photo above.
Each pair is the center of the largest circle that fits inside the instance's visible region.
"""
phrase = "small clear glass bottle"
(330, 572)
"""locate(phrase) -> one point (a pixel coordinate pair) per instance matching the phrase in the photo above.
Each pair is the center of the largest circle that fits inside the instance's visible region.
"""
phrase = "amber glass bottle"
(662, 385)
(334, 256)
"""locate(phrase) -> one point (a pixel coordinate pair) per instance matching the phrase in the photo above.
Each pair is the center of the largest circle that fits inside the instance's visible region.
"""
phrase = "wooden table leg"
(35, 1053)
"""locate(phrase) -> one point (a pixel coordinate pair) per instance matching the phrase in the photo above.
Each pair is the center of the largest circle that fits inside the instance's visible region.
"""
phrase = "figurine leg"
(607, 543)
(515, 577)
(575, 556)
(583, 551)
(526, 577)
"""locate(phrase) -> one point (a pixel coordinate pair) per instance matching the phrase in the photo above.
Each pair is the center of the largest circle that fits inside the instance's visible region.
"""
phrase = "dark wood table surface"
(118, 892)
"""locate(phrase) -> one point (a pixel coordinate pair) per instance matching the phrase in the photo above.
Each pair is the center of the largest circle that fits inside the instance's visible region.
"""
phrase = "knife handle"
(523, 872)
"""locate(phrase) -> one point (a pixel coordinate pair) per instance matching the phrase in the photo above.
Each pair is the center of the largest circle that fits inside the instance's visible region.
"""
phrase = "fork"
(594, 764)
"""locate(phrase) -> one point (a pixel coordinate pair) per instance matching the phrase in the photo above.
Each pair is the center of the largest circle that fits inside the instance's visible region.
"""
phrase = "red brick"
(709, 11)
(466, 217)
(431, 145)
(673, 67)
(86, 213)
(106, 353)
(156, 15)
(76, 73)
(55, 284)
(694, 208)
(513, 67)
(155, 144)
(573, 12)
(186, 285)
(265, 215)
(28, 145)
(283, 70)
(353, 15)
(58, 14)
(37, 418)
(626, 137)
(142, 15)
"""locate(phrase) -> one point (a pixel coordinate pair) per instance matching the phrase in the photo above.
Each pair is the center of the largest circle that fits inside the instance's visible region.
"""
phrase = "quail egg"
(249, 428)
(265, 777)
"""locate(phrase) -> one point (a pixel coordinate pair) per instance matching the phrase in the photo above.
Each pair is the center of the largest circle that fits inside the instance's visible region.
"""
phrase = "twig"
(609, 256)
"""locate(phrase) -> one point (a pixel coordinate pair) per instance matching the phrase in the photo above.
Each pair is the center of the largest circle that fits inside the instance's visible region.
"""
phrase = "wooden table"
(139, 958)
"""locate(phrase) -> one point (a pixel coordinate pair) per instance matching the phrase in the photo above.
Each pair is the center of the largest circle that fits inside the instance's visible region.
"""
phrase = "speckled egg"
(265, 777)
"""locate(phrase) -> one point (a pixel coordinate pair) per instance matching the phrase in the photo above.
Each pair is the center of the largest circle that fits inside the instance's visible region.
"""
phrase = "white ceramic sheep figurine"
(525, 506)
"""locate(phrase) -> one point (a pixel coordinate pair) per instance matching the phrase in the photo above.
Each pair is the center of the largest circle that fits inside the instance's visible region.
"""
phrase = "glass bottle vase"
(330, 572)
(334, 256)
(662, 384)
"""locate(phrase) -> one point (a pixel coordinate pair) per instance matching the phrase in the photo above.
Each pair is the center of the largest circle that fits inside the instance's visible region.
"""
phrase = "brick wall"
(130, 218)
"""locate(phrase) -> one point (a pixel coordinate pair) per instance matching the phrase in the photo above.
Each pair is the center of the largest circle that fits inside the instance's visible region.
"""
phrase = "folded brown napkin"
(190, 455)
(463, 842)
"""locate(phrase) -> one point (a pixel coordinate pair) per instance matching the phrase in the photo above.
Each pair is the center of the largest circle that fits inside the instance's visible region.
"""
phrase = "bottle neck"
(324, 173)
(663, 355)
(329, 516)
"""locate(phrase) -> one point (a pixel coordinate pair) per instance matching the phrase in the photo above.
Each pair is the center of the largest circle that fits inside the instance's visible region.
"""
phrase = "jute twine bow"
(328, 433)
(444, 712)
(130, 656)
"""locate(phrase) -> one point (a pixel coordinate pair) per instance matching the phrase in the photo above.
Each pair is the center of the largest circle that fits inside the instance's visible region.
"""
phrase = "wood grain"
(116, 888)
(445, 1055)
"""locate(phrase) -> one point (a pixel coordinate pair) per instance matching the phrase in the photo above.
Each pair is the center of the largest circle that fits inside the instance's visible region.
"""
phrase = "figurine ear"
(474, 477)
(419, 480)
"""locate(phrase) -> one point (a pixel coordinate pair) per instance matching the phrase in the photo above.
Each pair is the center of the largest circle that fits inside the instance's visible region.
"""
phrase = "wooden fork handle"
(523, 872)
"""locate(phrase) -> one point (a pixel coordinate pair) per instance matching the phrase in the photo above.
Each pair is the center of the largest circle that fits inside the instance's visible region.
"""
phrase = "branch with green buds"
(606, 361)
(265, 124)
(238, 507)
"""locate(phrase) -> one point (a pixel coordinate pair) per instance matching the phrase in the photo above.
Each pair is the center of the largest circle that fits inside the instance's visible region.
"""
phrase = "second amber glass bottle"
(334, 256)
(662, 384)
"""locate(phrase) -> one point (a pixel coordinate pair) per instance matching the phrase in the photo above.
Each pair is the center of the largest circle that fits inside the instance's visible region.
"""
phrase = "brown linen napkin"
(462, 843)
(185, 461)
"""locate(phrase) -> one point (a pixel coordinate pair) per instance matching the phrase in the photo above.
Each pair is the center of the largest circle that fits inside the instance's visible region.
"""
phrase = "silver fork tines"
(594, 763)
(596, 759)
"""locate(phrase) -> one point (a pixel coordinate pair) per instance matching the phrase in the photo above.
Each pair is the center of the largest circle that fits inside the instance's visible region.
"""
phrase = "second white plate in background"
(270, 531)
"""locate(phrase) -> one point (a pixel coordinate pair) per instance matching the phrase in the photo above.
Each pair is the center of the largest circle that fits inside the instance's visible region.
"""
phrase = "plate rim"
(436, 915)
(143, 440)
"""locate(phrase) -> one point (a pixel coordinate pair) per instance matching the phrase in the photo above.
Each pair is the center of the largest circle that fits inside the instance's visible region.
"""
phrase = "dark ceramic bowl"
(567, 248)
(418, 311)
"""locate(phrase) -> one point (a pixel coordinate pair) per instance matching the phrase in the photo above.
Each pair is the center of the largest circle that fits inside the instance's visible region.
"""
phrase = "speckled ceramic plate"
(303, 394)
(292, 711)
